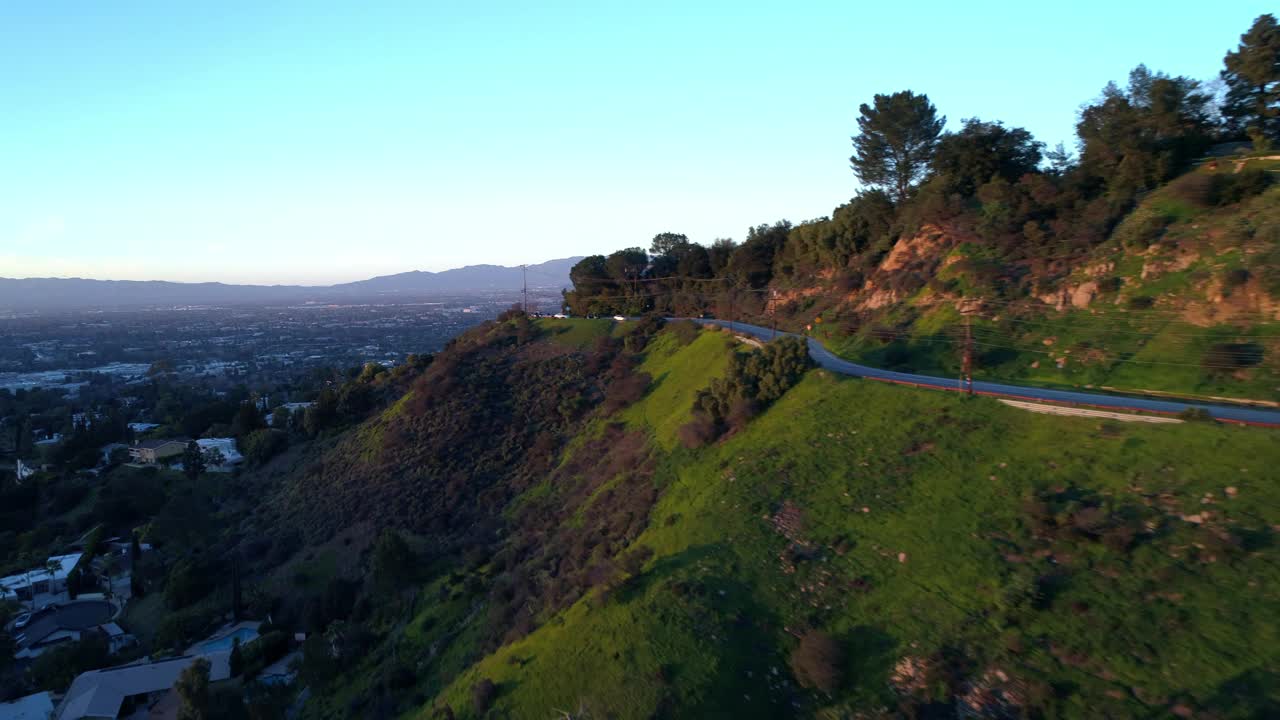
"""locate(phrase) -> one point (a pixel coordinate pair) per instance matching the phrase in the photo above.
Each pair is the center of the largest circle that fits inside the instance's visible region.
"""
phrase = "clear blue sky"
(315, 142)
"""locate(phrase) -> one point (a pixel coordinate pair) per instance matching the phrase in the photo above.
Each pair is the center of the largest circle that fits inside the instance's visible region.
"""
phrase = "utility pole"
(773, 318)
(966, 368)
(524, 278)
(730, 304)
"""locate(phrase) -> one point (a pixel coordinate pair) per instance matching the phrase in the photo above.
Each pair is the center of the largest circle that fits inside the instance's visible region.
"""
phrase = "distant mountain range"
(78, 293)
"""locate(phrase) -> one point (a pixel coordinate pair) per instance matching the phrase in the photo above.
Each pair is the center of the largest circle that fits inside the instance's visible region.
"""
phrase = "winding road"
(828, 360)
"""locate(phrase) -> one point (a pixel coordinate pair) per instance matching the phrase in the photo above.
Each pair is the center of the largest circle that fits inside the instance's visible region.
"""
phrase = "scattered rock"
(902, 557)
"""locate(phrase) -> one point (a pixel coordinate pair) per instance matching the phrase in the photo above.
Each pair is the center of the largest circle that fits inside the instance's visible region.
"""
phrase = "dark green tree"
(664, 243)
(236, 660)
(1252, 76)
(248, 418)
(1135, 138)
(193, 691)
(393, 561)
(982, 151)
(896, 138)
(193, 460)
(719, 253)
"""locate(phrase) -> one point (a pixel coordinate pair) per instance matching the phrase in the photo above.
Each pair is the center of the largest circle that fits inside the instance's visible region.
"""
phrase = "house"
(121, 691)
(31, 707)
(224, 446)
(150, 452)
(50, 578)
(290, 408)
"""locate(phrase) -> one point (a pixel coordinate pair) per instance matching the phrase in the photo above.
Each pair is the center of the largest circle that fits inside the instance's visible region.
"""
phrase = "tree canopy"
(1252, 76)
(896, 138)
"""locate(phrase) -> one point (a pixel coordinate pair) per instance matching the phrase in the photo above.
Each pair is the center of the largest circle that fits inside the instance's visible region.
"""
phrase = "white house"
(227, 446)
(51, 578)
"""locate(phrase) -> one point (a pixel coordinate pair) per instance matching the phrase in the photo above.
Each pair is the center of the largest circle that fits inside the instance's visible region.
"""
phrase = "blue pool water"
(223, 643)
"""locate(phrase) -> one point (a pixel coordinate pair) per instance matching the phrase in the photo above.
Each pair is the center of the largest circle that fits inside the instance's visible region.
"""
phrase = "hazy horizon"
(312, 144)
(268, 284)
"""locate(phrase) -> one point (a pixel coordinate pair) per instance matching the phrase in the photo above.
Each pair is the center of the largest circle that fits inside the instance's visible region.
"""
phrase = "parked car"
(21, 621)
(49, 606)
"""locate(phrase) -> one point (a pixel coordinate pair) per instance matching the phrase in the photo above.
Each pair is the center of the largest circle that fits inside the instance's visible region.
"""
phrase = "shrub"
(818, 661)
(699, 431)
(1224, 357)
(1141, 302)
(482, 695)
(1231, 189)
(1236, 278)
(685, 331)
(625, 391)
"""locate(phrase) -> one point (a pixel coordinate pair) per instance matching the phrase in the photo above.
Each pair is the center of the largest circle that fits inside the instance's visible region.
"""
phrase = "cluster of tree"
(754, 381)
(1034, 208)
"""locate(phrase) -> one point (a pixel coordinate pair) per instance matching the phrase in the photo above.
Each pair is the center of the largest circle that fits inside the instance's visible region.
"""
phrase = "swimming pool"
(246, 635)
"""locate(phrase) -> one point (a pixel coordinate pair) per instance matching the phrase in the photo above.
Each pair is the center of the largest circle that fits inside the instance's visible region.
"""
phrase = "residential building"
(150, 452)
(48, 579)
(121, 691)
(32, 707)
(227, 447)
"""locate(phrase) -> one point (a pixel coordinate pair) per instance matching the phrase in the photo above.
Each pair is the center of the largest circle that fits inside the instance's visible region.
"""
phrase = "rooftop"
(32, 707)
(99, 693)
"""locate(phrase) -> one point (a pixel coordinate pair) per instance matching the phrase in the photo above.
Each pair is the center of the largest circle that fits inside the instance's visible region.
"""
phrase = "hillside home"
(122, 691)
(150, 452)
(50, 578)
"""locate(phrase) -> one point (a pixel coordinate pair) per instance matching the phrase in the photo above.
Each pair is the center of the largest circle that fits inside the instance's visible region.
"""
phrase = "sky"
(316, 142)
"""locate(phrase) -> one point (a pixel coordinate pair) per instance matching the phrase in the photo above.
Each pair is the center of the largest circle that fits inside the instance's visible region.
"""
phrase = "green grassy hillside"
(958, 552)
(1183, 298)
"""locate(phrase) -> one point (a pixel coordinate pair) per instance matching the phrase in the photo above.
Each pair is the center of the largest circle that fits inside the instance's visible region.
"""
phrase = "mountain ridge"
(76, 293)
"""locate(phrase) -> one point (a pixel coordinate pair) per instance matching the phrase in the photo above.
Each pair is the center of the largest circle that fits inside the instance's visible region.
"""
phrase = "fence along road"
(828, 360)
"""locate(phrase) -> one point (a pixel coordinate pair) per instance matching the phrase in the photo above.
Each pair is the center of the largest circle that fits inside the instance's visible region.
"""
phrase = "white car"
(619, 318)
(21, 621)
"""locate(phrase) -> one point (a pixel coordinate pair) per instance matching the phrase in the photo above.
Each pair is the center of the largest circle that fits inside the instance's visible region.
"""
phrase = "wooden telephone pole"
(524, 279)
(966, 367)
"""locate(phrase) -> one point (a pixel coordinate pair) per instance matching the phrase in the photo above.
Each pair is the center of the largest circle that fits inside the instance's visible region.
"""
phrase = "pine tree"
(1252, 75)
(896, 139)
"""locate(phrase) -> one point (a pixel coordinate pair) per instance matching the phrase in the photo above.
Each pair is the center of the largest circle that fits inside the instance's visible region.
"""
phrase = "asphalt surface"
(826, 359)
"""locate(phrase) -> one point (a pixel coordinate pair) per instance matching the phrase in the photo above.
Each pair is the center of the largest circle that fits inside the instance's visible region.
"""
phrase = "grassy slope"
(704, 630)
(1153, 349)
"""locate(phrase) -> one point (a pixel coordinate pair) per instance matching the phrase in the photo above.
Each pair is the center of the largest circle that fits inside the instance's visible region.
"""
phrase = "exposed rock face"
(923, 251)
(1083, 294)
(924, 245)
(1156, 268)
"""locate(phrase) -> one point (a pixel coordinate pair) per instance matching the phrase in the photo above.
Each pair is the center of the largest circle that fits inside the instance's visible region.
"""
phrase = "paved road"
(826, 359)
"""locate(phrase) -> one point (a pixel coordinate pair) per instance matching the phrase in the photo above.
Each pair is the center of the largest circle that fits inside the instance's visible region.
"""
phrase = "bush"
(1225, 357)
(1231, 189)
(626, 390)
(482, 695)
(1235, 278)
(818, 661)
(1141, 302)
(698, 432)
(260, 446)
(685, 331)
